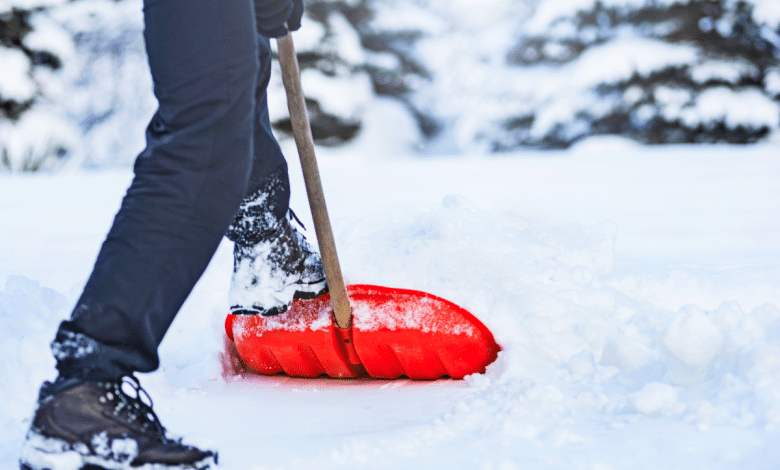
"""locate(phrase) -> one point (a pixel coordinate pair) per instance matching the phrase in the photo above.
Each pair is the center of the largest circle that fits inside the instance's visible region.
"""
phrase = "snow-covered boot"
(268, 275)
(99, 425)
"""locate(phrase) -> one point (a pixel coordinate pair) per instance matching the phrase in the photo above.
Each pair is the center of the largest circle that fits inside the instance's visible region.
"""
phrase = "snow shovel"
(357, 329)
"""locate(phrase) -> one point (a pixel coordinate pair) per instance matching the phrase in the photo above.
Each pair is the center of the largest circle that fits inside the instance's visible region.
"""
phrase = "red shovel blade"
(395, 332)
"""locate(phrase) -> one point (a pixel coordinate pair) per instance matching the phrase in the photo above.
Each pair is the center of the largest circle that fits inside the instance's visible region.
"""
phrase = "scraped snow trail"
(634, 292)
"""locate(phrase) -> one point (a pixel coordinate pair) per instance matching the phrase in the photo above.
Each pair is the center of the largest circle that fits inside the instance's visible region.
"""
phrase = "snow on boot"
(98, 425)
(267, 276)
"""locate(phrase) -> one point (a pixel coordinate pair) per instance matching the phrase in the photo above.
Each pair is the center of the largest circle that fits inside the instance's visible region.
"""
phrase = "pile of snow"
(633, 291)
(28, 313)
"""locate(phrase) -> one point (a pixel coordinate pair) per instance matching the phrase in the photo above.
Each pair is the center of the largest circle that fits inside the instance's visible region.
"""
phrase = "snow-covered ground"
(635, 292)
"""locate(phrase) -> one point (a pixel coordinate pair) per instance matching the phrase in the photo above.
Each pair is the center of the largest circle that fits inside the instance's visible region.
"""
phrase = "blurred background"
(421, 77)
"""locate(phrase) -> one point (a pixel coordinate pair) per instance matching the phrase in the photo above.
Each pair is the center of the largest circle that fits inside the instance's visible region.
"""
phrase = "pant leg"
(188, 184)
(268, 194)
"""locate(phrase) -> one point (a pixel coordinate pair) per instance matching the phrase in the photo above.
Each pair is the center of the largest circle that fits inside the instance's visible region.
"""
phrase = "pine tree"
(34, 51)
(76, 87)
(684, 71)
(109, 96)
(347, 58)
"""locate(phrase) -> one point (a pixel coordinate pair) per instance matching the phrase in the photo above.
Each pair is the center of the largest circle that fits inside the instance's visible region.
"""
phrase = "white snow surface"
(634, 292)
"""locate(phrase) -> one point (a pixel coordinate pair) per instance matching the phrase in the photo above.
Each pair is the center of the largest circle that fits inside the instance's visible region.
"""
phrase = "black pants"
(209, 146)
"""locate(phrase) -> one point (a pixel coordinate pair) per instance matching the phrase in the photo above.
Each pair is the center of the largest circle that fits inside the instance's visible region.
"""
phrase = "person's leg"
(188, 185)
(273, 262)
(267, 197)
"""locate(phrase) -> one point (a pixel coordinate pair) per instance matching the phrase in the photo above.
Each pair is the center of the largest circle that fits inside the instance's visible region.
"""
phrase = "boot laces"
(297, 220)
(136, 406)
(302, 241)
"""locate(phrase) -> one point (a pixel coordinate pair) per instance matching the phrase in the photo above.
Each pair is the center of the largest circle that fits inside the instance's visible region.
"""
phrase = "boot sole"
(314, 292)
(45, 453)
(206, 464)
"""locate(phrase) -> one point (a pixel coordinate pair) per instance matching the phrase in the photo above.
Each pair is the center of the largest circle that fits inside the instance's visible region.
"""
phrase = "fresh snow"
(15, 82)
(767, 12)
(634, 292)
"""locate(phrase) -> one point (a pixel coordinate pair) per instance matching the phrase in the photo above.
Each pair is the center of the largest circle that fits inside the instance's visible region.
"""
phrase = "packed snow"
(634, 292)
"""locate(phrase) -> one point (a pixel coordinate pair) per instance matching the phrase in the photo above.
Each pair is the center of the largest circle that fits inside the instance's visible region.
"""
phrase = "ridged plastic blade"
(395, 332)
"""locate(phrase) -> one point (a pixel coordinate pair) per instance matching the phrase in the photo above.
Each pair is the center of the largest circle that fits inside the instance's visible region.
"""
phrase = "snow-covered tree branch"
(507, 74)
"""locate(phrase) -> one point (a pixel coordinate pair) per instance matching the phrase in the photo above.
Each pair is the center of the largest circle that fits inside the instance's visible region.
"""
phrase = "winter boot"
(99, 425)
(267, 276)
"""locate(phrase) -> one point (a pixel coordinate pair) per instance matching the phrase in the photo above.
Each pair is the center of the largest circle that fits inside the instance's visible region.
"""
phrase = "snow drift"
(633, 291)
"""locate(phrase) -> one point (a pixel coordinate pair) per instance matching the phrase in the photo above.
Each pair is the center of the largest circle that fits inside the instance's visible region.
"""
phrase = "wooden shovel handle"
(311, 175)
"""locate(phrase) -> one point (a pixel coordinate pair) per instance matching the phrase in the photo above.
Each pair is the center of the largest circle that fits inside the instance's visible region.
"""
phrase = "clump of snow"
(657, 397)
(619, 60)
(44, 452)
(406, 15)
(766, 12)
(387, 130)
(749, 108)
(16, 82)
(49, 36)
(693, 340)
(772, 81)
(731, 72)
(341, 96)
(114, 450)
